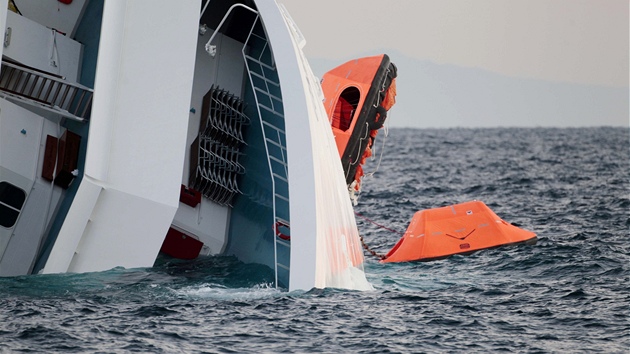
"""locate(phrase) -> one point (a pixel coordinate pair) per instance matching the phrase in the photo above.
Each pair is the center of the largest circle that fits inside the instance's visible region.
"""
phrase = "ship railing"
(52, 93)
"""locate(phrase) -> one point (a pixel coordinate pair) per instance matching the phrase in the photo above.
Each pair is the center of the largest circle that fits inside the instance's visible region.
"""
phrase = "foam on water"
(568, 293)
(222, 293)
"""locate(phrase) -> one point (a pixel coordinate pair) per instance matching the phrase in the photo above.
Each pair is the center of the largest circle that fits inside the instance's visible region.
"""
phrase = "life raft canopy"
(455, 229)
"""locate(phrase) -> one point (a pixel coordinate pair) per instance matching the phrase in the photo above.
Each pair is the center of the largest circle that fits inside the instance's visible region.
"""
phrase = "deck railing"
(51, 92)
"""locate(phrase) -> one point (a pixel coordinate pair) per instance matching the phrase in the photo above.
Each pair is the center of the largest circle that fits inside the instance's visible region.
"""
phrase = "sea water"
(568, 293)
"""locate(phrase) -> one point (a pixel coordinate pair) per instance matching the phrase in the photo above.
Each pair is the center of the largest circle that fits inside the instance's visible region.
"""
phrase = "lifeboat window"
(11, 201)
(345, 108)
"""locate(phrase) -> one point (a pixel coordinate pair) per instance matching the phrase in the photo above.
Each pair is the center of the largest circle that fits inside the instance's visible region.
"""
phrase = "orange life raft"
(455, 229)
(358, 95)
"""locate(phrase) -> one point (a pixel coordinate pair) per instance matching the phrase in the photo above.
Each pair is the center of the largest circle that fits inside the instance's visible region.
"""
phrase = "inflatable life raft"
(358, 95)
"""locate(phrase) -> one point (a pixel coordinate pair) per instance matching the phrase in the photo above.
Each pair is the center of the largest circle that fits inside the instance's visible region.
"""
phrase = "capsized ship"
(193, 127)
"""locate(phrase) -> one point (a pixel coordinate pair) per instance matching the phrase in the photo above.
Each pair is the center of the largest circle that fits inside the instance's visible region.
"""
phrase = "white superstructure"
(244, 127)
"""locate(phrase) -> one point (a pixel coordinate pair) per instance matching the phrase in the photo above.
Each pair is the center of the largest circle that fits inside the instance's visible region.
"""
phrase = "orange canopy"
(461, 228)
(358, 95)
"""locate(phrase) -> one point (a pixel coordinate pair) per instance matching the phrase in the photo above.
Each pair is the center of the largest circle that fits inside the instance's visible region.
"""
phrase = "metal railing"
(41, 89)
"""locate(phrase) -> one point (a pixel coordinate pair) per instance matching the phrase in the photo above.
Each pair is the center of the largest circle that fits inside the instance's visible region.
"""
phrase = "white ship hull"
(243, 128)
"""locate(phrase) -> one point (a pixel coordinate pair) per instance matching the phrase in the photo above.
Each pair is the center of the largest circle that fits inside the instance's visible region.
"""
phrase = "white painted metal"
(20, 130)
(137, 137)
(54, 14)
(5, 234)
(74, 229)
(207, 72)
(207, 221)
(20, 136)
(42, 48)
(325, 247)
(3, 21)
(24, 244)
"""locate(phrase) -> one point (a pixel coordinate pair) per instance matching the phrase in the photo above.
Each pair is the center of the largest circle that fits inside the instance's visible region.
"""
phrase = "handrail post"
(212, 49)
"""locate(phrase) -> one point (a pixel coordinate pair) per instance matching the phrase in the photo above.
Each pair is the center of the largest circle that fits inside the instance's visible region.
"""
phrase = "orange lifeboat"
(455, 229)
(358, 95)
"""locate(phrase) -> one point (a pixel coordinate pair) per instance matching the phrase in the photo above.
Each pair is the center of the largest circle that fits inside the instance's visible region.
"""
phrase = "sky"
(584, 43)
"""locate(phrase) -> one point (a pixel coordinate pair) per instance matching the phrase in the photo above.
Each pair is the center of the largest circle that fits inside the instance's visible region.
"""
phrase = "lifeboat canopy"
(455, 229)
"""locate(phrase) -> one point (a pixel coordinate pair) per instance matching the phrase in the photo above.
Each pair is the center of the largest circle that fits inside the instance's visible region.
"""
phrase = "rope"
(360, 154)
(378, 165)
(377, 224)
(365, 246)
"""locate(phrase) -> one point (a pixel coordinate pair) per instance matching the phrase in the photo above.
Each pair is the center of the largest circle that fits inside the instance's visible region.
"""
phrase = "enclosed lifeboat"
(455, 229)
(358, 95)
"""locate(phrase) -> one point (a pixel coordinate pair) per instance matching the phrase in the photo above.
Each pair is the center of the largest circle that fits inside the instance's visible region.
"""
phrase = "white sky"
(577, 41)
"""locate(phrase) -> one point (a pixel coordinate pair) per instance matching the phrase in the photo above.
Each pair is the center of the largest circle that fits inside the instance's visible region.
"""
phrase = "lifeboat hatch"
(345, 108)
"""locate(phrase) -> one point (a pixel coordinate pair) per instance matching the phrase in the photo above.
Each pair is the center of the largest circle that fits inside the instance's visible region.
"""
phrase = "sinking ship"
(191, 128)
(131, 128)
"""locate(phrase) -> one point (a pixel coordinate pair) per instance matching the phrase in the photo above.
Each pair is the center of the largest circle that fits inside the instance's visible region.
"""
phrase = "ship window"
(11, 201)
(345, 108)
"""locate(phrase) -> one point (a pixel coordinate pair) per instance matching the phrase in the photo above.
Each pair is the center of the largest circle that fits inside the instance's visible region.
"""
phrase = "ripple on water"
(568, 293)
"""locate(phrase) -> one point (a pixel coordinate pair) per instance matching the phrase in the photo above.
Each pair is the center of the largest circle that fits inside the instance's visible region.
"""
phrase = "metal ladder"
(266, 86)
(51, 93)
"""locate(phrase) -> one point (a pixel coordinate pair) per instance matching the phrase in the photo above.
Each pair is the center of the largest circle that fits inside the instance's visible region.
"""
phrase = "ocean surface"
(570, 292)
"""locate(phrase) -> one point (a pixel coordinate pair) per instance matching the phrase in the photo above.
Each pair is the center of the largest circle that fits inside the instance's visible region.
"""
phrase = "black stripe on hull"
(364, 123)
